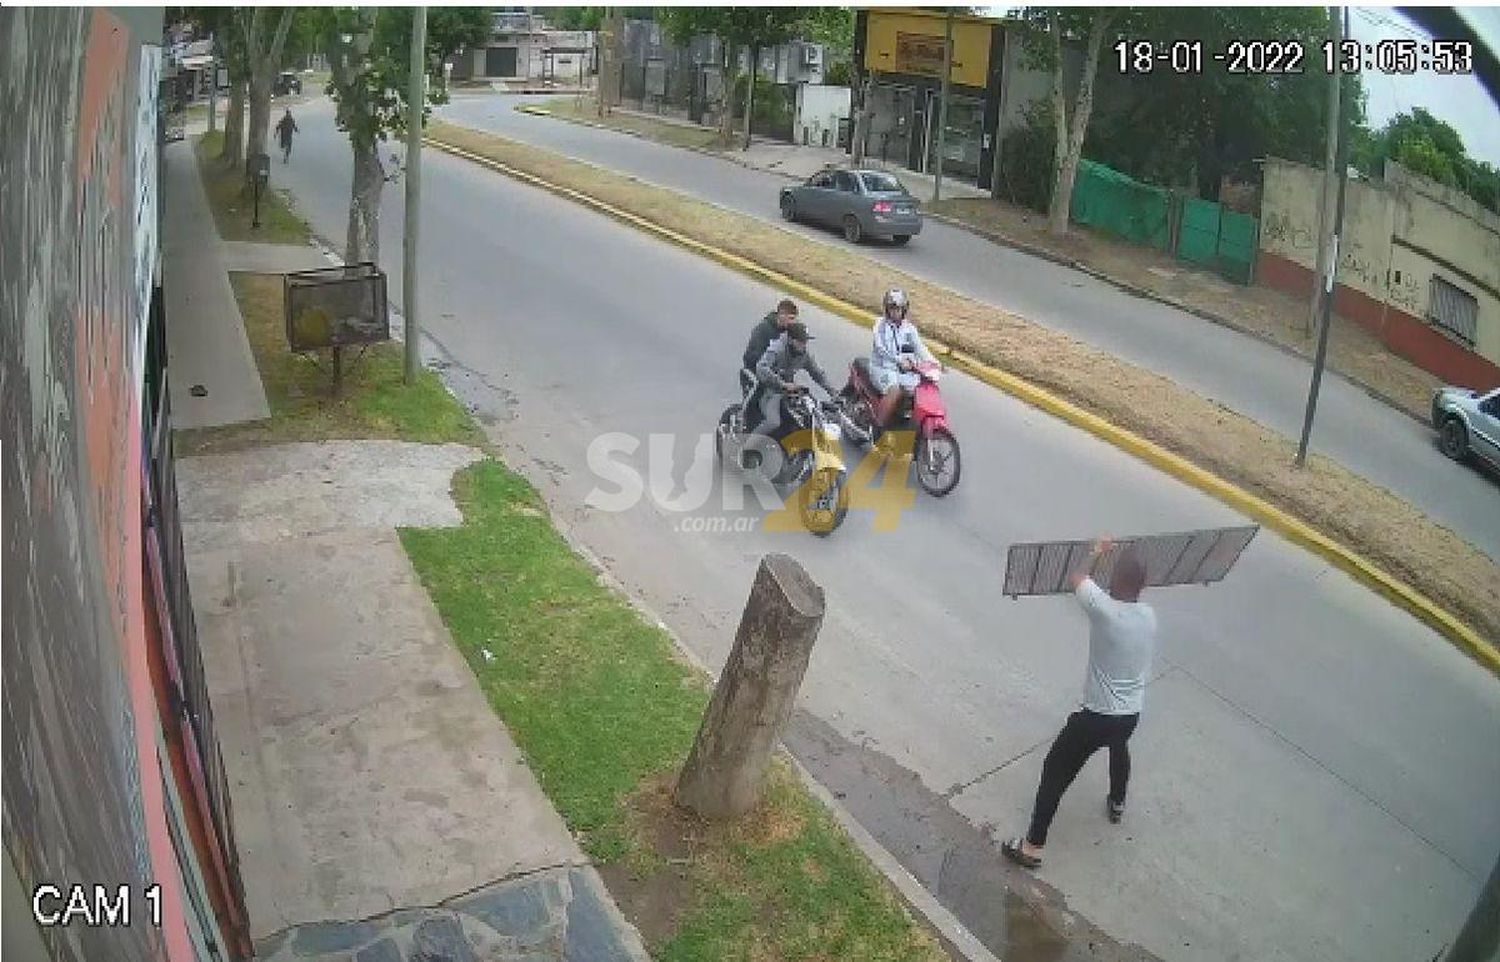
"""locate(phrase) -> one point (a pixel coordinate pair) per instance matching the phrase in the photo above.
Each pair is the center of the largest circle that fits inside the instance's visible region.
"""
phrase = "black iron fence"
(191, 706)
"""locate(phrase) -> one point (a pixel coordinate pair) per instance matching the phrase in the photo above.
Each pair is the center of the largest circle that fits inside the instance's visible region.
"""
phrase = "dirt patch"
(681, 863)
(1353, 351)
(1348, 508)
(655, 893)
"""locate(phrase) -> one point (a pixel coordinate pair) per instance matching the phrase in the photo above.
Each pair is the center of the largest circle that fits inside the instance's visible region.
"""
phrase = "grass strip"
(234, 206)
(1350, 509)
(605, 712)
(374, 401)
(585, 110)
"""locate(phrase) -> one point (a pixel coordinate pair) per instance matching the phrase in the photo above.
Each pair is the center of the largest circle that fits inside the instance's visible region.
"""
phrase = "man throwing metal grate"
(1122, 643)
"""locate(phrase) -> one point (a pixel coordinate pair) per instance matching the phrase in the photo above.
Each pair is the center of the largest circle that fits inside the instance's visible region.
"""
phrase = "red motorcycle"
(935, 451)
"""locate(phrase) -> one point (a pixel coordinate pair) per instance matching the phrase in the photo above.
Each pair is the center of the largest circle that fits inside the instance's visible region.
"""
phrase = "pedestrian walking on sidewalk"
(1122, 643)
(284, 130)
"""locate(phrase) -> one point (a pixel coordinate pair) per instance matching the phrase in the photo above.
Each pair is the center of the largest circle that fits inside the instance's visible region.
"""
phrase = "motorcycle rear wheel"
(860, 417)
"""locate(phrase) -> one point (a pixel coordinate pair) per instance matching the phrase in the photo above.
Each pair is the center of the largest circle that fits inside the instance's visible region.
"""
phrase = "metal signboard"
(336, 307)
(1191, 557)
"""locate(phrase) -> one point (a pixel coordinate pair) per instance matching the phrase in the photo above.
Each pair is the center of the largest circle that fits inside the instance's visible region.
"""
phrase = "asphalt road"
(1316, 771)
(1240, 372)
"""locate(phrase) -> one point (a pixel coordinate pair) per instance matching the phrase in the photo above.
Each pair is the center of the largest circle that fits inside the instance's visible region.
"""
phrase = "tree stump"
(756, 693)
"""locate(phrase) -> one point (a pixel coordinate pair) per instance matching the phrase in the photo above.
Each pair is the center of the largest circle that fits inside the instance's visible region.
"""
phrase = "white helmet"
(895, 297)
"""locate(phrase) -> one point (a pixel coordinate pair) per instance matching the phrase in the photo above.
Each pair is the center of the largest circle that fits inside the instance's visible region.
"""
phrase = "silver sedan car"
(861, 203)
(1468, 423)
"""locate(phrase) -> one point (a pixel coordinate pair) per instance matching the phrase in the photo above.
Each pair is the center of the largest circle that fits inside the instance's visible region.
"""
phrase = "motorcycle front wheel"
(938, 462)
(729, 423)
(823, 502)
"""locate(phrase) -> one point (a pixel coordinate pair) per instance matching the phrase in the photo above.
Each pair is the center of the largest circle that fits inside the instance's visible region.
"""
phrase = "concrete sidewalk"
(382, 811)
(214, 379)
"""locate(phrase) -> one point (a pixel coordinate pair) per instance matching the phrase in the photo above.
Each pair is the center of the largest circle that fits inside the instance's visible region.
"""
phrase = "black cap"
(797, 331)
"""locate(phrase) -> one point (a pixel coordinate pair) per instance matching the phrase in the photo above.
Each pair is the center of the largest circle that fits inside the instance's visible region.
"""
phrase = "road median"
(1358, 526)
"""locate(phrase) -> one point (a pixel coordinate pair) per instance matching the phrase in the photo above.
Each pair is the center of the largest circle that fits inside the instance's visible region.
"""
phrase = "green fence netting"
(1197, 231)
(1120, 205)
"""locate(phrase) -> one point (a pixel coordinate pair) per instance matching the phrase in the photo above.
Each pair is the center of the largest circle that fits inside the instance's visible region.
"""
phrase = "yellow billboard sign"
(911, 42)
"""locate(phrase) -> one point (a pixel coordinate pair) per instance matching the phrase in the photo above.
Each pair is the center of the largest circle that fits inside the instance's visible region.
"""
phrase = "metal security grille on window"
(1454, 310)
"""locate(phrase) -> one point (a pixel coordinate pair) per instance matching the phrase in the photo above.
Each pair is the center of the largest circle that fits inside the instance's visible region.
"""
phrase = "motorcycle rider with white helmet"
(894, 357)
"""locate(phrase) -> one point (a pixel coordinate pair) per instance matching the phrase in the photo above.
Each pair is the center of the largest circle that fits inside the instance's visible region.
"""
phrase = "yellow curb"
(1298, 532)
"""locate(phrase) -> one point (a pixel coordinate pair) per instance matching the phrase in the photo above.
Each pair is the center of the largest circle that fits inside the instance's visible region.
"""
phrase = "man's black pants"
(1085, 733)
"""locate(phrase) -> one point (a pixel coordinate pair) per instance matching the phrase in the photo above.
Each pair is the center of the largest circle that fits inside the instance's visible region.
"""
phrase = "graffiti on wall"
(1281, 233)
(70, 371)
(1405, 293)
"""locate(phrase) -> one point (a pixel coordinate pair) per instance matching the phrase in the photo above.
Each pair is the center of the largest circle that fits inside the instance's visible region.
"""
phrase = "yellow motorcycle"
(811, 467)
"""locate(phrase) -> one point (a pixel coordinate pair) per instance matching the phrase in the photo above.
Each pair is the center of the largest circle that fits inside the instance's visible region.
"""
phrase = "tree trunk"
(234, 125)
(265, 61)
(259, 114)
(348, 60)
(1070, 136)
(731, 78)
(756, 693)
(750, 92)
(862, 117)
(363, 242)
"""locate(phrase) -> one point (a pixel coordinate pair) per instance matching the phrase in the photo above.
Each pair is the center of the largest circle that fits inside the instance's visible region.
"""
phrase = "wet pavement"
(959, 863)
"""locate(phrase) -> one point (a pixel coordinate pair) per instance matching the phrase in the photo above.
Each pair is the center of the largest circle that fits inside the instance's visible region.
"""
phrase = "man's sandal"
(1013, 851)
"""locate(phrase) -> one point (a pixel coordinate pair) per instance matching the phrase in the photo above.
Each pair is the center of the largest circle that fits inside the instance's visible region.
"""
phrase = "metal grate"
(336, 307)
(1454, 310)
(1190, 557)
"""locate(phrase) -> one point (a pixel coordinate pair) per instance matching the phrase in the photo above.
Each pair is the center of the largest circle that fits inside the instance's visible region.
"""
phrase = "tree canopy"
(371, 88)
(1426, 145)
(1192, 129)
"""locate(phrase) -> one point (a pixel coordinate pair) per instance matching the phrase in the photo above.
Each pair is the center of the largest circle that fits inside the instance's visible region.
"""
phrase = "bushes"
(1026, 157)
(773, 106)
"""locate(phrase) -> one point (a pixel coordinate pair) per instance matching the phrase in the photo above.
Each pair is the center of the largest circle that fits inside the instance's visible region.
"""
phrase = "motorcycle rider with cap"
(776, 371)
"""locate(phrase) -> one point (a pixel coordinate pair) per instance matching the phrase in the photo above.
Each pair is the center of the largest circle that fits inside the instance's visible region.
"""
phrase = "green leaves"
(747, 26)
(1426, 145)
(370, 52)
(1178, 129)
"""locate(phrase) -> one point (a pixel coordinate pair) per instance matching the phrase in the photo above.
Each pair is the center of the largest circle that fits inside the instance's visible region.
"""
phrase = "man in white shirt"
(1122, 643)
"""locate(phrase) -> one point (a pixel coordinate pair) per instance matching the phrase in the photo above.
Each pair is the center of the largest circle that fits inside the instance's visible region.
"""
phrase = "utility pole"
(1330, 272)
(1325, 223)
(942, 138)
(415, 99)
